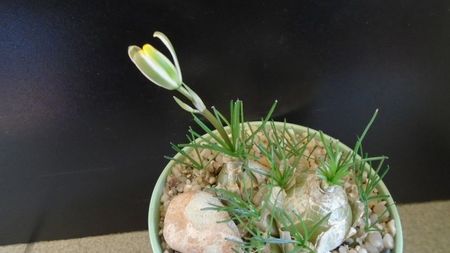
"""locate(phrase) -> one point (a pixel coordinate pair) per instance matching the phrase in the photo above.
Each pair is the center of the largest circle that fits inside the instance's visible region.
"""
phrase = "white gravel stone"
(362, 250)
(373, 218)
(343, 249)
(189, 229)
(375, 239)
(349, 241)
(370, 248)
(388, 241)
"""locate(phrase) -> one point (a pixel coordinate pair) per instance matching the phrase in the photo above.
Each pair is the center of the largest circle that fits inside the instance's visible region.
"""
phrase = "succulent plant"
(278, 203)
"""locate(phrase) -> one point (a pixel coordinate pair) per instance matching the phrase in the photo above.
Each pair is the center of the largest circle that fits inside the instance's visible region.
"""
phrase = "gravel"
(186, 179)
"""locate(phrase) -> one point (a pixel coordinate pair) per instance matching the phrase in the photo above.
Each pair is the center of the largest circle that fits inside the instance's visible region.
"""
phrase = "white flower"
(155, 66)
(161, 71)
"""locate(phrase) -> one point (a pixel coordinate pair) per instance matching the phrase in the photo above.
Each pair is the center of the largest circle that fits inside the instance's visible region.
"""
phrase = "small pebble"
(176, 171)
(362, 250)
(379, 226)
(391, 227)
(351, 233)
(205, 153)
(352, 251)
(196, 188)
(212, 180)
(347, 185)
(359, 240)
(375, 239)
(379, 208)
(219, 159)
(373, 218)
(187, 188)
(180, 187)
(226, 159)
(349, 240)
(370, 248)
(164, 197)
(311, 144)
(343, 249)
(388, 241)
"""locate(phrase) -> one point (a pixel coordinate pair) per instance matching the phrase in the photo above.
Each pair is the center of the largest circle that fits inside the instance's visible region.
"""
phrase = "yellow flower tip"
(149, 50)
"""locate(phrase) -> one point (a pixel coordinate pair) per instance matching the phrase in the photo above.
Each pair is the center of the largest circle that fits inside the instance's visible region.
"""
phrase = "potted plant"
(263, 186)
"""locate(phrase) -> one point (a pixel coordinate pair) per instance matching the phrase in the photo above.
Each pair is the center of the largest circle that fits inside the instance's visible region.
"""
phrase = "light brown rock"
(189, 229)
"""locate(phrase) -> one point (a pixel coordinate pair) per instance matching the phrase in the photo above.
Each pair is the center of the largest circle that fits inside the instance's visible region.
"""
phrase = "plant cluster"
(265, 225)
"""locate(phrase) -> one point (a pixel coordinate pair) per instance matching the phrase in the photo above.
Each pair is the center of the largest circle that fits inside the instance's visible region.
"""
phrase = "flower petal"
(155, 66)
(169, 46)
(161, 61)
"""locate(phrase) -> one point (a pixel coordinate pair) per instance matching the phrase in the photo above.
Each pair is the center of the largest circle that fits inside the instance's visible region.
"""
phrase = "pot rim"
(154, 214)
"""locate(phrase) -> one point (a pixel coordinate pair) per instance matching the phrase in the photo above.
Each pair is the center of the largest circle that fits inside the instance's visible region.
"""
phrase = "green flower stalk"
(162, 72)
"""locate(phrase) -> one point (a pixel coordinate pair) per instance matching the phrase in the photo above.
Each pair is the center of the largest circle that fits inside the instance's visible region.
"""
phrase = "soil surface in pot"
(184, 178)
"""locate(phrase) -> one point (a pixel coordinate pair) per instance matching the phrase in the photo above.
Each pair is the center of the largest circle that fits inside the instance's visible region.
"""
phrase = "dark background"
(83, 133)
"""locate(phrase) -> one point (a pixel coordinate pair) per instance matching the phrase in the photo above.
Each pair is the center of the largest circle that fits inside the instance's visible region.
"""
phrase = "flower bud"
(155, 66)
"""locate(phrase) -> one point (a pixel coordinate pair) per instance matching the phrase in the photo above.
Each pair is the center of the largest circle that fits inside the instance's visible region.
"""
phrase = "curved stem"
(207, 114)
(184, 92)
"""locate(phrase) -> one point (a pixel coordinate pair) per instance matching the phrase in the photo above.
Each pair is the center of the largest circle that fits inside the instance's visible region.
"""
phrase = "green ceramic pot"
(154, 215)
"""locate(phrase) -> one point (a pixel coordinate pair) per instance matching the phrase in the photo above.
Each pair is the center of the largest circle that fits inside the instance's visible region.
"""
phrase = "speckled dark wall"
(83, 134)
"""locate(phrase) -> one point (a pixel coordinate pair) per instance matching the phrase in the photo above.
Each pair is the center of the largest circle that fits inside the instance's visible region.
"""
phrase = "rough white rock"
(309, 199)
(189, 229)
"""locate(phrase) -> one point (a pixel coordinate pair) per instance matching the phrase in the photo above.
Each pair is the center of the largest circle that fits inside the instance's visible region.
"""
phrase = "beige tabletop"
(426, 228)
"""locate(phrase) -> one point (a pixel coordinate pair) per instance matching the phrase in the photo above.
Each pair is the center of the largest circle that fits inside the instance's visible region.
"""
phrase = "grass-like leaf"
(193, 159)
(283, 152)
(240, 136)
(336, 164)
(367, 180)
